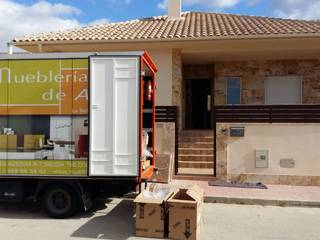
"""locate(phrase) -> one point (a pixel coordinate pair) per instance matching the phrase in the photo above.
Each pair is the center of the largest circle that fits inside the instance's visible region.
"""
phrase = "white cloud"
(162, 5)
(212, 4)
(21, 19)
(99, 21)
(251, 3)
(297, 9)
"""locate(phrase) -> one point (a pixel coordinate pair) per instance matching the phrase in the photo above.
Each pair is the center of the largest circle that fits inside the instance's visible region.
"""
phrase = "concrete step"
(197, 133)
(183, 139)
(189, 173)
(193, 151)
(195, 174)
(195, 145)
(196, 158)
(195, 164)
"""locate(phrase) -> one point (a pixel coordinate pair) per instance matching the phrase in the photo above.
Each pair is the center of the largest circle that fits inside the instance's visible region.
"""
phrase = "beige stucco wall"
(300, 142)
(163, 61)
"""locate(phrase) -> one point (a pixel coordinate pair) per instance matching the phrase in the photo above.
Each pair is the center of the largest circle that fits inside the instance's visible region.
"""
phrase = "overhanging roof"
(191, 26)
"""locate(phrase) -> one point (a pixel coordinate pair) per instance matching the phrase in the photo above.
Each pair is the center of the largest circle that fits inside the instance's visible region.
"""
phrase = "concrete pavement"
(276, 195)
(113, 220)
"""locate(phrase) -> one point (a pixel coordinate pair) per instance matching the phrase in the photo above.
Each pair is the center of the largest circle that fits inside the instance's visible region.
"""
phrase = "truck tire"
(60, 201)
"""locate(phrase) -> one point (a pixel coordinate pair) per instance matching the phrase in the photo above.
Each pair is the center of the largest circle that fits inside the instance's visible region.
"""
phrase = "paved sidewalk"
(113, 220)
(277, 195)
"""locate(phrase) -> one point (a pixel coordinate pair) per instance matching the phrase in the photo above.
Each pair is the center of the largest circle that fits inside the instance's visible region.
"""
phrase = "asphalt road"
(113, 220)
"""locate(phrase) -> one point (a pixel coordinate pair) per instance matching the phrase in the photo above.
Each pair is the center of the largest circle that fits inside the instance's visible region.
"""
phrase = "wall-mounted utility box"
(262, 158)
(287, 163)
(236, 131)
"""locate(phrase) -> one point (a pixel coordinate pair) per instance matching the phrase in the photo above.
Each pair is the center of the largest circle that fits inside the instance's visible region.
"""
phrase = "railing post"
(176, 155)
(214, 141)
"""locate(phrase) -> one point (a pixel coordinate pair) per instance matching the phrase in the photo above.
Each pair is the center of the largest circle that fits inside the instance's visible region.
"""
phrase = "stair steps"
(196, 150)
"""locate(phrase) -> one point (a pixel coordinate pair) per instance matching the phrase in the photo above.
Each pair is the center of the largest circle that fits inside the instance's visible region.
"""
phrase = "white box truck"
(75, 125)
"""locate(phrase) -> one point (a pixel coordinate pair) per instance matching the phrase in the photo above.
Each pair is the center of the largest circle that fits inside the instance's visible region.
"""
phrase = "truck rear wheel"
(60, 201)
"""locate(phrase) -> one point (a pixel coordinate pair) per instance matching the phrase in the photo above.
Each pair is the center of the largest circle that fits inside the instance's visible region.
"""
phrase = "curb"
(261, 202)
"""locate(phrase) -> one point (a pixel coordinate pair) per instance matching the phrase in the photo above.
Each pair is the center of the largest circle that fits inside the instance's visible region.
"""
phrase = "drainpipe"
(9, 49)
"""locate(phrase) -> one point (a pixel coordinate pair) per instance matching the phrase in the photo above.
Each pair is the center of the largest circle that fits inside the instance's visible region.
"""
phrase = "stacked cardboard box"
(178, 214)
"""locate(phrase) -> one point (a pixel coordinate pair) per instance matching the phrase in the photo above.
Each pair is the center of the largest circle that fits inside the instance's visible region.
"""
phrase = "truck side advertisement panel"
(44, 117)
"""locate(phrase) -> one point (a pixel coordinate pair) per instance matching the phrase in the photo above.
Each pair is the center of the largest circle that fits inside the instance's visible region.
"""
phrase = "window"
(283, 90)
(233, 90)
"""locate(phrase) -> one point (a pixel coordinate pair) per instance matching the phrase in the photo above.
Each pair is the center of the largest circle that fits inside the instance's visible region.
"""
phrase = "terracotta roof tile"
(195, 25)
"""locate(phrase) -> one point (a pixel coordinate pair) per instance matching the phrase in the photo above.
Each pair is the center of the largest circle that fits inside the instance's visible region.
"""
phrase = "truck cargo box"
(77, 115)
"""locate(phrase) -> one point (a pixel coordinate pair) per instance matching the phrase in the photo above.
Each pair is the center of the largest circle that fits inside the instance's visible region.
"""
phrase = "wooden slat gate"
(268, 114)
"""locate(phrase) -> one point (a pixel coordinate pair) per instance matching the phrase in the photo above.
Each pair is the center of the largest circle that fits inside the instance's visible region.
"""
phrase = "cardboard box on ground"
(151, 211)
(161, 210)
(185, 207)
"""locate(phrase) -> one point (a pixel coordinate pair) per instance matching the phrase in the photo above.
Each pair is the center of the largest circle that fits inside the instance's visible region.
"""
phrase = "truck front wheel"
(60, 201)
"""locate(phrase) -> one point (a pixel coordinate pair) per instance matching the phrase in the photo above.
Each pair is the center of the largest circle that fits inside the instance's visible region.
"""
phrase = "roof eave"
(185, 39)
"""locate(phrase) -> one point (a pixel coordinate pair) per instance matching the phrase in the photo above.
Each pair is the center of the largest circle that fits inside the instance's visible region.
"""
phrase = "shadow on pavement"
(118, 224)
(32, 210)
(25, 210)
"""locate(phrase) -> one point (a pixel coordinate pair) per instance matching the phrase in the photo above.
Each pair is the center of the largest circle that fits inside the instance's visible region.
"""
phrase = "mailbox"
(237, 132)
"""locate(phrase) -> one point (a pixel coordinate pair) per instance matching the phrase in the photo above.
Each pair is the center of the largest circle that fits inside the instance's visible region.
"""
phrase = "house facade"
(247, 89)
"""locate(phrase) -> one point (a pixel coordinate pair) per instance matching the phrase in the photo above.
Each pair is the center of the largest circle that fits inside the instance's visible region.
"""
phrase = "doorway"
(198, 104)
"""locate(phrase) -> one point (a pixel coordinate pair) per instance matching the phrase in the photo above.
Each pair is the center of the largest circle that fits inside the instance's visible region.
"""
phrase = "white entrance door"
(114, 118)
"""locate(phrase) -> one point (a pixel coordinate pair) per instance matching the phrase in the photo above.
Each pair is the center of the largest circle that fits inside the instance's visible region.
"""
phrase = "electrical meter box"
(262, 158)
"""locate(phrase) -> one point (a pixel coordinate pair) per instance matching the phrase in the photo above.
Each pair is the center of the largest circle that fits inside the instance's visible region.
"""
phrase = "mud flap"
(86, 201)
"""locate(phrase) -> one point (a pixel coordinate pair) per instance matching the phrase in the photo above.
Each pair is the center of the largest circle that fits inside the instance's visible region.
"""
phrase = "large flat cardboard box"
(151, 216)
(164, 164)
(185, 207)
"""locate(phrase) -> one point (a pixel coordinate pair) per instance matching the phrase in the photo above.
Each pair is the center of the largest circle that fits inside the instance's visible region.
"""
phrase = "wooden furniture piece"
(8, 142)
(33, 141)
